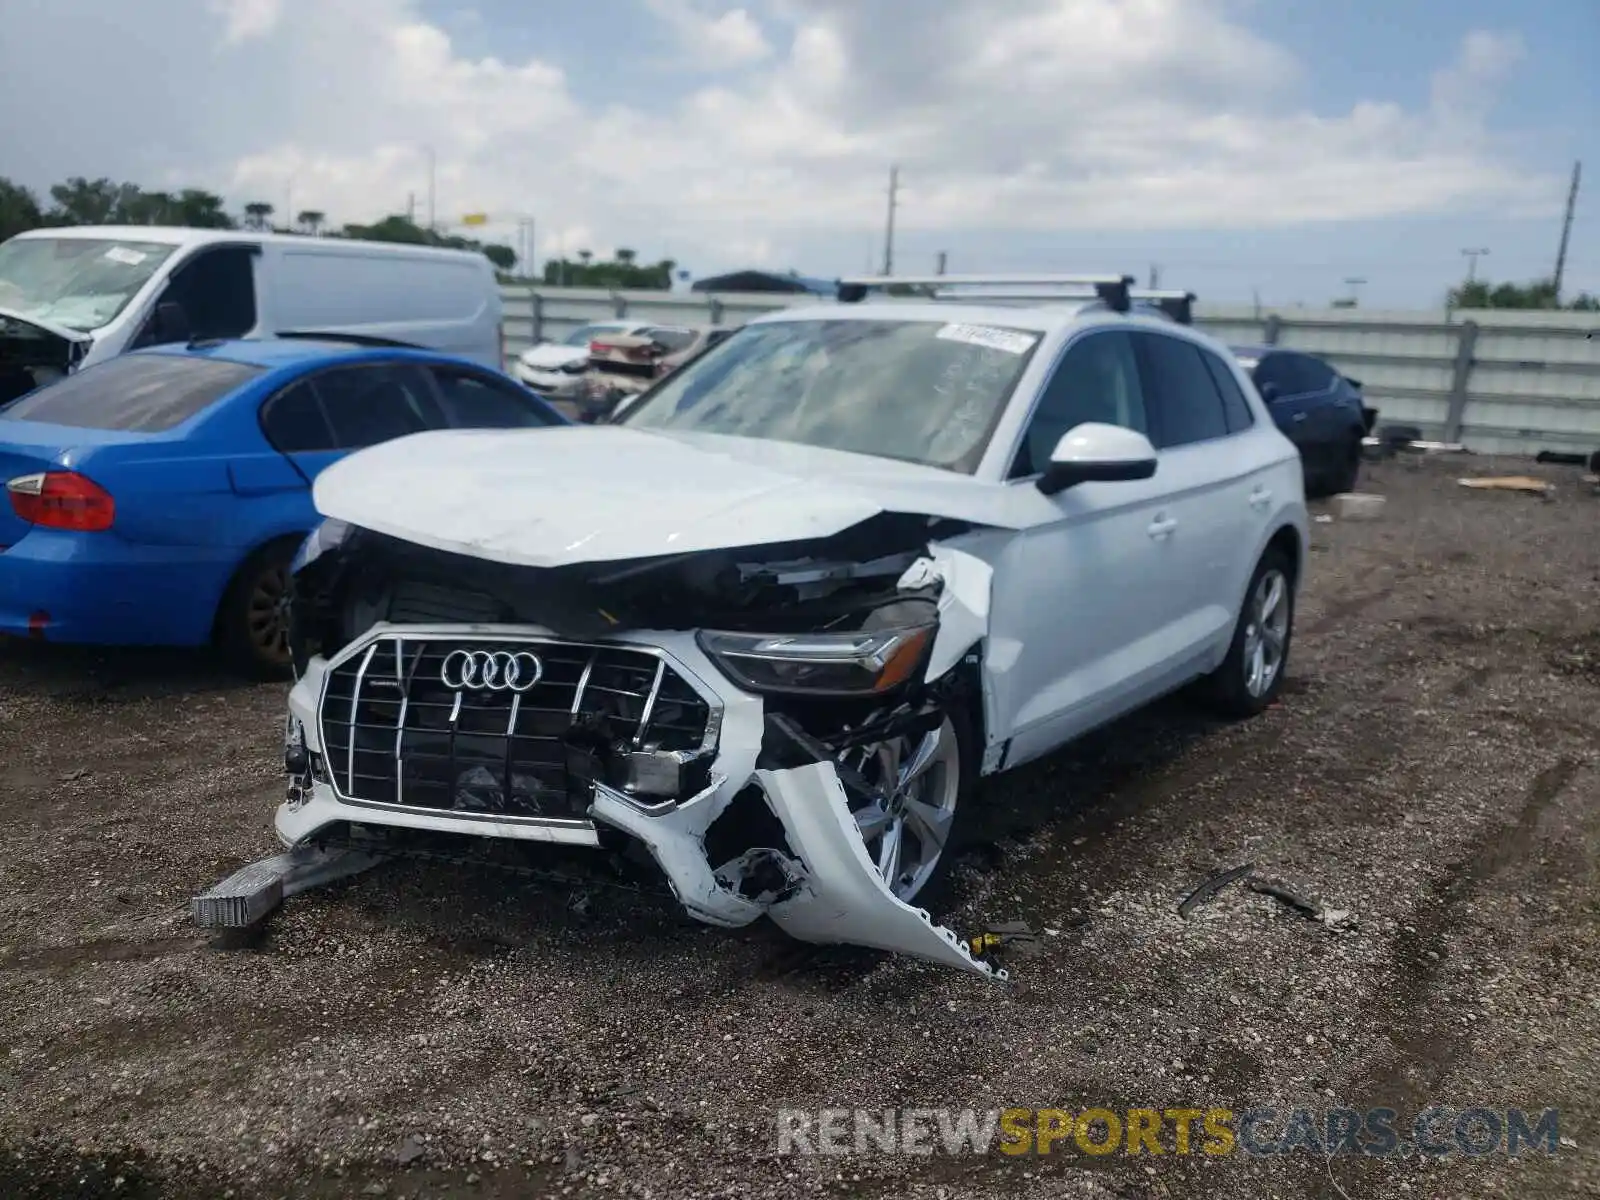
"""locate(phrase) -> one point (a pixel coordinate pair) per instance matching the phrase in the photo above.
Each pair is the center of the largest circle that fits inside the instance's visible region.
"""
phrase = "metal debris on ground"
(1211, 885)
(1509, 483)
(1280, 892)
(1012, 936)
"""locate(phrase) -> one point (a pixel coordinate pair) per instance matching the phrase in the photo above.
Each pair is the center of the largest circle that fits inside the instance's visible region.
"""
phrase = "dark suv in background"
(1321, 411)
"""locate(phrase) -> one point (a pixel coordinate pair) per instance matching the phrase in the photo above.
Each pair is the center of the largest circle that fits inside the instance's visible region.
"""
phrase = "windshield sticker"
(128, 258)
(1008, 340)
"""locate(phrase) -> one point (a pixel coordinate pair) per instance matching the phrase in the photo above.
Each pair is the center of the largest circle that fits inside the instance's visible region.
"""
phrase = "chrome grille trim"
(695, 708)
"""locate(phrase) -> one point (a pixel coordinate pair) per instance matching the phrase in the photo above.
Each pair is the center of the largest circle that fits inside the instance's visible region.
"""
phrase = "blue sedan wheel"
(253, 622)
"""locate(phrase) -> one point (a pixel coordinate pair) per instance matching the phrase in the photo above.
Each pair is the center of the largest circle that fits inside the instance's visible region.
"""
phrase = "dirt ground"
(1433, 770)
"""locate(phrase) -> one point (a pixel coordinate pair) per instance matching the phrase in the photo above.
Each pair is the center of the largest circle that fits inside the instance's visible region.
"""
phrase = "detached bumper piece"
(842, 897)
(253, 891)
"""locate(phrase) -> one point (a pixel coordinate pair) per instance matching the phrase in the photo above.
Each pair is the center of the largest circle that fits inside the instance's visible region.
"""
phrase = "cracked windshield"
(80, 283)
(870, 387)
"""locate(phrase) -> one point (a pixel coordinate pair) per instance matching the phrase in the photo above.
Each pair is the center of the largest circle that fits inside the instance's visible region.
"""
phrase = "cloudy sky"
(1271, 147)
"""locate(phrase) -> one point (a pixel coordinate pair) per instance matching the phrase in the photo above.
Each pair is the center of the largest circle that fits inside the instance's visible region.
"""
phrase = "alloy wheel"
(1266, 632)
(267, 615)
(906, 829)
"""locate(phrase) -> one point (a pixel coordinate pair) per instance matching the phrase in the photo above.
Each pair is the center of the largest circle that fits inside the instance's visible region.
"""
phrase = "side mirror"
(171, 323)
(1269, 391)
(1096, 453)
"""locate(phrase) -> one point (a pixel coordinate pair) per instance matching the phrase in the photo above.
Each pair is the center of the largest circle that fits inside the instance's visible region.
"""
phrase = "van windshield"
(81, 283)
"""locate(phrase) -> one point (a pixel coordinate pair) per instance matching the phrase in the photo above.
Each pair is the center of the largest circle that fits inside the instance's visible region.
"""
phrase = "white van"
(72, 297)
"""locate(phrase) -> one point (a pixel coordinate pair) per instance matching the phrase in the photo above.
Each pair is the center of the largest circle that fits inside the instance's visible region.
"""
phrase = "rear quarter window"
(136, 393)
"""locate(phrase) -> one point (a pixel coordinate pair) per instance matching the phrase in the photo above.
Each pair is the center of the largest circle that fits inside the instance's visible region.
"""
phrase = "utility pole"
(1472, 262)
(433, 165)
(888, 235)
(1566, 228)
(1354, 283)
(525, 232)
(411, 208)
(941, 262)
(1155, 276)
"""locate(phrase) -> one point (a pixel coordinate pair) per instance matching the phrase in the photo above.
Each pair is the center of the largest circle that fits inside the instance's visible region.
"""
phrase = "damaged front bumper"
(808, 870)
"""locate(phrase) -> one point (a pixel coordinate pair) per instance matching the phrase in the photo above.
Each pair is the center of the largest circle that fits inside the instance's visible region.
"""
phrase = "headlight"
(576, 367)
(864, 663)
(326, 536)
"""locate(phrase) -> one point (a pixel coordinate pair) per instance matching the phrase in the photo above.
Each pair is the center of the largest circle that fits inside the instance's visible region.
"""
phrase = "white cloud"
(713, 40)
(246, 19)
(1041, 115)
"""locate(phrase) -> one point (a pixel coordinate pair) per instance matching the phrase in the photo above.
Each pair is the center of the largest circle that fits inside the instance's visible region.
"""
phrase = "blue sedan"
(157, 498)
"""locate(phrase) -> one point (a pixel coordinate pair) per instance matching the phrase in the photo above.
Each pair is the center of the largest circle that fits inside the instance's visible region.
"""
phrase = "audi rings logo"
(490, 670)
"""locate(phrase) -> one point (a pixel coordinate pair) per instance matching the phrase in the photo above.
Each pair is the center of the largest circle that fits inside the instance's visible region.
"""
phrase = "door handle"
(1298, 417)
(1162, 527)
(1260, 498)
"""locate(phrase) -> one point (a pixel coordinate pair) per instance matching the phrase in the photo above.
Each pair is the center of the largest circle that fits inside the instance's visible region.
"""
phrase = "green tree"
(620, 273)
(1539, 293)
(136, 207)
(258, 215)
(311, 221)
(19, 209)
(200, 210)
(503, 257)
(81, 201)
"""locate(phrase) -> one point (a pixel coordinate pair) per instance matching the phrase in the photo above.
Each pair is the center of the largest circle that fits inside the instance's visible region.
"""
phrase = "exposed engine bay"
(753, 721)
(31, 357)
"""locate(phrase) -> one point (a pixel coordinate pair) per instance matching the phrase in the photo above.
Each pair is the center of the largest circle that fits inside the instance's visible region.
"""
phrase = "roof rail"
(1112, 289)
(1178, 305)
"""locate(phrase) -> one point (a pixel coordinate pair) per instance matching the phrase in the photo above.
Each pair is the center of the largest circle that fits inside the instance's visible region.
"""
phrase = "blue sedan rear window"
(136, 393)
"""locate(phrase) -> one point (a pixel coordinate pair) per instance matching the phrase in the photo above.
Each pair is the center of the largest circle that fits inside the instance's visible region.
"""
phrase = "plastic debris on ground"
(1357, 506)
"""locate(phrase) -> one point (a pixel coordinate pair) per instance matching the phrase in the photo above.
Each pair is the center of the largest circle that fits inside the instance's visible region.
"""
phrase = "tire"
(252, 625)
(945, 786)
(1229, 689)
(1344, 476)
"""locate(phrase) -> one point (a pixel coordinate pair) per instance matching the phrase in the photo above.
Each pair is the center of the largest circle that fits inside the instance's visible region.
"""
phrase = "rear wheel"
(253, 619)
(1251, 676)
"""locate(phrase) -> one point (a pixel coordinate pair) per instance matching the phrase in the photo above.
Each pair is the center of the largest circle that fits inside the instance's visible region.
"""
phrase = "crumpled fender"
(963, 602)
(841, 897)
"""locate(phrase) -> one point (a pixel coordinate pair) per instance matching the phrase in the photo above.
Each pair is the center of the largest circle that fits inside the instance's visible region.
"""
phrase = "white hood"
(551, 497)
(552, 356)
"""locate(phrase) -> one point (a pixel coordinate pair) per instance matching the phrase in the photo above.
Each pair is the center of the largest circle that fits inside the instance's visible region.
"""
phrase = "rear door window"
(367, 405)
(673, 339)
(1234, 404)
(472, 401)
(1311, 374)
(294, 422)
(136, 393)
(1184, 402)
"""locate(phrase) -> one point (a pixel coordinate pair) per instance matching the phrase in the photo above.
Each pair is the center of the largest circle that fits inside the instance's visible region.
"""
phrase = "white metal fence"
(1503, 382)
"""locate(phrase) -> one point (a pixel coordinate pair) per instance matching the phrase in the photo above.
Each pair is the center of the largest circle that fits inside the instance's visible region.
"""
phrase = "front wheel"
(1251, 676)
(1348, 470)
(910, 833)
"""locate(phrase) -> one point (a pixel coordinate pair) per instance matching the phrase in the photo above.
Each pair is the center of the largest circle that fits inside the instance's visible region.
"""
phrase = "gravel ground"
(428, 1031)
